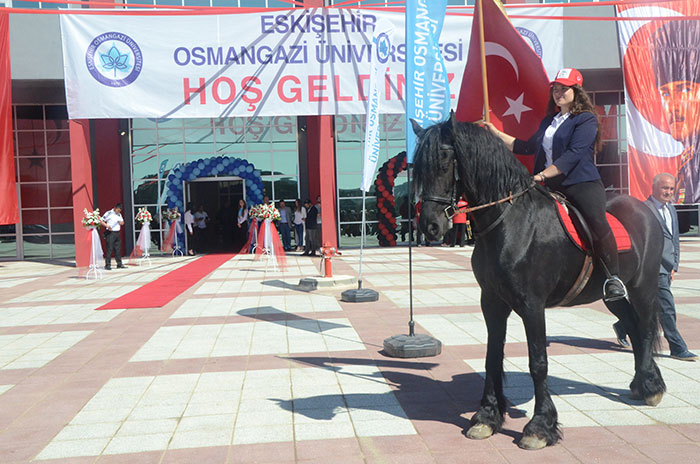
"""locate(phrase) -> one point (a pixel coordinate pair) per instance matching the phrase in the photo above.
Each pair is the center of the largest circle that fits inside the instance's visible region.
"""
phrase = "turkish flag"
(9, 212)
(518, 87)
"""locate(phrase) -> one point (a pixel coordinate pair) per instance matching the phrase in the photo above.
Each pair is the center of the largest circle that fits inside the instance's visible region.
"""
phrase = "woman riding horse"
(564, 146)
(525, 261)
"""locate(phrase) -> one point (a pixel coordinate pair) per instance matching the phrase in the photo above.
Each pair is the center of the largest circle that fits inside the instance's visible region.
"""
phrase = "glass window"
(35, 221)
(8, 246)
(30, 143)
(33, 195)
(286, 188)
(57, 143)
(62, 220)
(32, 169)
(59, 168)
(37, 247)
(199, 140)
(145, 167)
(60, 194)
(170, 141)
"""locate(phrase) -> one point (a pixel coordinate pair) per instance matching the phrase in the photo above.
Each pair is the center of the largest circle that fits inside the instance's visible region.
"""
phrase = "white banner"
(303, 61)
(381, 41)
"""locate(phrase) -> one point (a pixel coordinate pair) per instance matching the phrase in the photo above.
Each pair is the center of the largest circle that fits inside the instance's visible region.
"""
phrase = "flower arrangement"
(144, 215)
(171, 214)
(92, 219)
(264, 211)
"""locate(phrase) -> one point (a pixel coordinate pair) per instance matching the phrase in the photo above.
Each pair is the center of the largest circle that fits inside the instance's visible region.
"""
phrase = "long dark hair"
(297, 205)
(582, 103)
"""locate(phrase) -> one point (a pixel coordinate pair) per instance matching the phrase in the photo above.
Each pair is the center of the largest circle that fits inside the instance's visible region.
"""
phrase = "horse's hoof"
(653, 400)
(635, 395)
(479, 431)
(532, 442)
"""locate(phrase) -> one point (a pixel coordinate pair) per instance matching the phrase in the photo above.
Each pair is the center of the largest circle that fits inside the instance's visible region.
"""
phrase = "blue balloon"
(192, 177)
(226, 162)
(249, 168)
(178, 174)
(196, 171)
(200, 165)
(171, 177)
(235, 171)
(207, 161)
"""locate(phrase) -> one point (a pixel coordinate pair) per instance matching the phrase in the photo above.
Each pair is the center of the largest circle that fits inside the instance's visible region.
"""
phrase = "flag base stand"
(412, 346)
(359, 294)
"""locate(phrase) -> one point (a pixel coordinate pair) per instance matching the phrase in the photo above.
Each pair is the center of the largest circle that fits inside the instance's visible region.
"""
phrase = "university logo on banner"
(661, 64)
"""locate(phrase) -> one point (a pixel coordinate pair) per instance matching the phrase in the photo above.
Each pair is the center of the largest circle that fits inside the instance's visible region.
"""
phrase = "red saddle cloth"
(622, 238)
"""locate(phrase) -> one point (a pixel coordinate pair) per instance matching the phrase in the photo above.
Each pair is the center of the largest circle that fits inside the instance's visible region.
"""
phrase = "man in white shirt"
(113, 221)
(189, 224)
(200, 220)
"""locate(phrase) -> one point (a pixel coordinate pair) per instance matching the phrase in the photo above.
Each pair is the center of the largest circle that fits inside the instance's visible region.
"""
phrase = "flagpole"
(482, 50)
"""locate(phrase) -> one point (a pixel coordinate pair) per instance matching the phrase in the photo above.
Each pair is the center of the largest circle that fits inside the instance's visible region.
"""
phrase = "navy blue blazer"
(572, 148)
(672, 244)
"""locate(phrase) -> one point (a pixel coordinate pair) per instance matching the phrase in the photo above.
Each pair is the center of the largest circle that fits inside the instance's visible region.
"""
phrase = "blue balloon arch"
(212, 167)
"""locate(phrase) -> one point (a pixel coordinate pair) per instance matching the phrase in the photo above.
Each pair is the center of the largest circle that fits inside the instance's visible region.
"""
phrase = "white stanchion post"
(95, 270)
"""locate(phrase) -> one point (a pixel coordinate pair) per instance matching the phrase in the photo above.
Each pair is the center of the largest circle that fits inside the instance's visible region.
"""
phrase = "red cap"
(568, 77)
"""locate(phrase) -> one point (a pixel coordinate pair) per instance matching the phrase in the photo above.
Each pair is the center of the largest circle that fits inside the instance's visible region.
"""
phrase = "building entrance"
(219, 198)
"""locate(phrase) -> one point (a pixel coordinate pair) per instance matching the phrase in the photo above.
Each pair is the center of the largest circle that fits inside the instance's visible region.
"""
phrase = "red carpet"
(164, 289)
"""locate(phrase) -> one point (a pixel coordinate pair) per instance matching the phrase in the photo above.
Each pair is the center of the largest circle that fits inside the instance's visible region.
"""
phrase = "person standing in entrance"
(663, 190)
(311, 230)
(285, 231)
(242, 220)
(200, 219)
(189, 227)
(113, 222)
(299, 217)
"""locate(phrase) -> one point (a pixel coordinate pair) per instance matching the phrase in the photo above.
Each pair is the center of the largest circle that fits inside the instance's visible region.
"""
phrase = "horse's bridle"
(451, 209)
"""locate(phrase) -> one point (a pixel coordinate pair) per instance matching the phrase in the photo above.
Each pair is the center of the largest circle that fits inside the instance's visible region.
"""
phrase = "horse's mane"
(488, 171)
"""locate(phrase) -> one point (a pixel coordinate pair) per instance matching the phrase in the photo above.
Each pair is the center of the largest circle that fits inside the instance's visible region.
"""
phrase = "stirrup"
(616, 297)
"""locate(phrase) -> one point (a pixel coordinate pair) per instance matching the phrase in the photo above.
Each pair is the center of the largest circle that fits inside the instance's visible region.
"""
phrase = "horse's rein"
(509, 199)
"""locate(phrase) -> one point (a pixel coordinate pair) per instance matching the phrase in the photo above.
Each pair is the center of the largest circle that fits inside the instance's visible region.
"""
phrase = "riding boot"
(613, 288)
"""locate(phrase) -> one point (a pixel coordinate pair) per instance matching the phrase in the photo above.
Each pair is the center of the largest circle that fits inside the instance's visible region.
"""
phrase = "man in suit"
(659, 202)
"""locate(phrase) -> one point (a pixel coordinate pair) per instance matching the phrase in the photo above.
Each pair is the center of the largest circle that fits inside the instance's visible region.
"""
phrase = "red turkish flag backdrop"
(9, 212)
(518, 86)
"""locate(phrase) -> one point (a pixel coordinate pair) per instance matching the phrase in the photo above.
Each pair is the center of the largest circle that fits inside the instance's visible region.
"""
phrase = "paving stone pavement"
(245, 367)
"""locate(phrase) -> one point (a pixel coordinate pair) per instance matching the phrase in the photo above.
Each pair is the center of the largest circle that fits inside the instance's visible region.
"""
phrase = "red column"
(108, 157)
(9, 210)
(321, 166)
(81, 177)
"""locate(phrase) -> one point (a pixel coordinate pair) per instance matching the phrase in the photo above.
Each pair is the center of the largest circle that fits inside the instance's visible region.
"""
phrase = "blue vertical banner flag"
(427, 87)
(381, 52)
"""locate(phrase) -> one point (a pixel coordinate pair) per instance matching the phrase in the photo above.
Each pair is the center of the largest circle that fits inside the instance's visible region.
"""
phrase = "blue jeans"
(299, 234)
(286, 235)
(668, 316)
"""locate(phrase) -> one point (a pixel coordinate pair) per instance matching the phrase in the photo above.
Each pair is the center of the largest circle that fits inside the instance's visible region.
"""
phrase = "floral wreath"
(92, 219)
(263, 211)
(386, 203)
(144, 216)
(171, 214)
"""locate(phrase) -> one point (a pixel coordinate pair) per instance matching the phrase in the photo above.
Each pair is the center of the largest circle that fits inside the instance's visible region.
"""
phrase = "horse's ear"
(417, 129)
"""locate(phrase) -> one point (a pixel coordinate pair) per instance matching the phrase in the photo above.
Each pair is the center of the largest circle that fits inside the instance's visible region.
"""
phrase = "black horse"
(524, 262)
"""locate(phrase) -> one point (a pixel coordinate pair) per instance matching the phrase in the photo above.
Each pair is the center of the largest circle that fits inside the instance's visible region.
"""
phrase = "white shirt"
(665, 213)
(549, 136)
(189, 220)
(299, 216)
(201, 219)
(113, 220)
